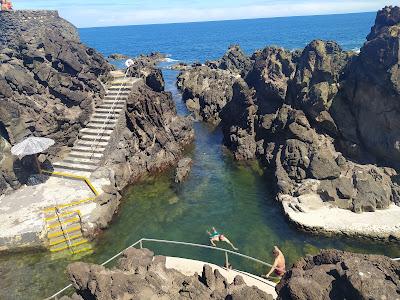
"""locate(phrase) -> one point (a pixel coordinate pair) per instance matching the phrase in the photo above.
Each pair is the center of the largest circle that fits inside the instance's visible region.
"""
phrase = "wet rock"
(183, 169)
(334, 274)
(118, 56)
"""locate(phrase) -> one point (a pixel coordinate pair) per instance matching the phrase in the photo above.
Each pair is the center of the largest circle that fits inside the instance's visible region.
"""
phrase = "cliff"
(49, 84)
(323, 119)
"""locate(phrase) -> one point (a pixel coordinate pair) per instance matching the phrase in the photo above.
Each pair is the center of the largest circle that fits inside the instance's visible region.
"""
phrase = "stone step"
(83, 161)
(106, 110)
(88, 149)
(108, 106)
(105, 121)
(100, 125)
(111, 115)
(62, 239)
(83, 154)
(117, 94)
(97, 144)
(75, 166)
(67, 229)
(66, 246)
(75, 219)
(95, 138)
(97, 131)
(114, 102)
(118, 87)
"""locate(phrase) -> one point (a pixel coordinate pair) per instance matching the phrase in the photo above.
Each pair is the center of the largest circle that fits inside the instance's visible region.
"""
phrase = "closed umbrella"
(30, 146)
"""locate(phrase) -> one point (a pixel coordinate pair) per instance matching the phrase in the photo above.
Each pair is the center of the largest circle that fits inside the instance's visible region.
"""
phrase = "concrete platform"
(321, 217)
(189, 267)
(21, 212)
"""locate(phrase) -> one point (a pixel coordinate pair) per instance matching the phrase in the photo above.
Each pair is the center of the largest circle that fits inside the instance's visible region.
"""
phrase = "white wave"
(356, 50)
(170, 60)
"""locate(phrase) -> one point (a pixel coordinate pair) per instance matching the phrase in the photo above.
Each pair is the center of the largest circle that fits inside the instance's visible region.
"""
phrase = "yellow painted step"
(54, 216)
(74, 203)
(87, 249)
(68, 230)
(66, 246)
(62, 240)
(63, 222)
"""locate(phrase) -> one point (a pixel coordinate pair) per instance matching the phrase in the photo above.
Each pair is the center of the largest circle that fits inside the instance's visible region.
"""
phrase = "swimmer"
(215, 236)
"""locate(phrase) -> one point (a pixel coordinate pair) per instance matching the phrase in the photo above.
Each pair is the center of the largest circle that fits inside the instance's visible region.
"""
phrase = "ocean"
(235, 197)
(202, 41)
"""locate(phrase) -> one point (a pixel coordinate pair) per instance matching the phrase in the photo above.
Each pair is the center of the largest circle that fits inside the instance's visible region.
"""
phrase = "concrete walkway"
(21, 213)
(322, 217)
(189, 267)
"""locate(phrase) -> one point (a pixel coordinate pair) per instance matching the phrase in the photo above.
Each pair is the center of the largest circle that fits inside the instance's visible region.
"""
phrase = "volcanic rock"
(141, 275)
(334, 274)
(49, 84)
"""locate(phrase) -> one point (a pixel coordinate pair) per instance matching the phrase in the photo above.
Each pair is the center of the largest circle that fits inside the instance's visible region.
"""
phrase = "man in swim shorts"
(215, 236)
(279, 266)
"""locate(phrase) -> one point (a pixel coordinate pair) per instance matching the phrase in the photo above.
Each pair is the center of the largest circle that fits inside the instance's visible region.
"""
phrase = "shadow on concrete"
(26, 171)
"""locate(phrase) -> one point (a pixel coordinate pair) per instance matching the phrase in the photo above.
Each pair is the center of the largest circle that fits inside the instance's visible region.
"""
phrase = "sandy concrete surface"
(312, 214)
(189, 267)
(21, 212)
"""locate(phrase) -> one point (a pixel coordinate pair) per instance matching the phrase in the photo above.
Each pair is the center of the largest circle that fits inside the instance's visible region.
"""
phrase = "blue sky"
(94, 13)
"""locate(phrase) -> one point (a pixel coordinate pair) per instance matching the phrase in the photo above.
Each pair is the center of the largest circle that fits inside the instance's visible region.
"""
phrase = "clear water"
(234, 197)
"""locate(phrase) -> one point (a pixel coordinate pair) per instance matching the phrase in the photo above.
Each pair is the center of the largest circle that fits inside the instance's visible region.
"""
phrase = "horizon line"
(225, 20)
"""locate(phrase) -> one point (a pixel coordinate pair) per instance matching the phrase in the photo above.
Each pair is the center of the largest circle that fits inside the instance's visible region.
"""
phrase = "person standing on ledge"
(279, 264)
(215, 236)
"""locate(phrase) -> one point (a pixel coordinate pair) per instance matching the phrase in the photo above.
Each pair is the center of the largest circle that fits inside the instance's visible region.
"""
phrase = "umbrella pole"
(38, 164)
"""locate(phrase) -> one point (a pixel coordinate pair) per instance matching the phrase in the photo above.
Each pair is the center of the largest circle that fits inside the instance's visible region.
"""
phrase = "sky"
(99, 13)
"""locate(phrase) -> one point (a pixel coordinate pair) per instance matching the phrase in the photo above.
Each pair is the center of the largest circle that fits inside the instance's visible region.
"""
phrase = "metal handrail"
(140, 242)
(102, 129)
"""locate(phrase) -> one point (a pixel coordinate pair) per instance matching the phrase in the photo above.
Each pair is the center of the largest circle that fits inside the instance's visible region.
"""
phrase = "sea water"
(235, 197)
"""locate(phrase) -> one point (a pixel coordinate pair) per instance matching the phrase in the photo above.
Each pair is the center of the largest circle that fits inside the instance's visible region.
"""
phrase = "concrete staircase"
(87, 153)
(64, 232)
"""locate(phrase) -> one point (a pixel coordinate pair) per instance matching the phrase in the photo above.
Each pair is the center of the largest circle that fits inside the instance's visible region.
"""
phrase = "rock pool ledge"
(309, 213)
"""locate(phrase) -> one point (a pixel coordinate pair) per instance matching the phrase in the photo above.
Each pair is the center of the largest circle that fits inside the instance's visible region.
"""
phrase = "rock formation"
(325, 120)
(334, 274)
(152, 137)
(49, 83)
(141, 275)
(183, 169)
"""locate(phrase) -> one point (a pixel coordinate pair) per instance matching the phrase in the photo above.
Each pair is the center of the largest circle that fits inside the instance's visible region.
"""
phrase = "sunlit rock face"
(49, 81)
(325, 120)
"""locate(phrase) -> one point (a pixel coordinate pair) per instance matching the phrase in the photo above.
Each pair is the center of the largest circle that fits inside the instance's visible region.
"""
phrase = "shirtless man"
(279, 264)
(215, 236)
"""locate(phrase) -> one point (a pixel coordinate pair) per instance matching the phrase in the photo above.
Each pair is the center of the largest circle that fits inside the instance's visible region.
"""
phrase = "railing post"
(226, 260)
(141, 244)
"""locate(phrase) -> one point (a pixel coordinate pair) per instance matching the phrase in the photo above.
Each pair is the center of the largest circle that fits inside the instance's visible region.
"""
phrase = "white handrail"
(102, 129)
(208, 247)
(140, 242)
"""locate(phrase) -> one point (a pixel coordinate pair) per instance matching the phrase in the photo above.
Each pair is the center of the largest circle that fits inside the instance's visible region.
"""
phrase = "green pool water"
(234, 197)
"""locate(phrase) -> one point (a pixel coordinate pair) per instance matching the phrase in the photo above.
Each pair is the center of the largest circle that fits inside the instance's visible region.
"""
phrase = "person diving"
(215, 236)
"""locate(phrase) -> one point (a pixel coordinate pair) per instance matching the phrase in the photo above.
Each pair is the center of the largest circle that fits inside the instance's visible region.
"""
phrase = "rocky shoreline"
(323, 120)
(50, 84)
(331, 274)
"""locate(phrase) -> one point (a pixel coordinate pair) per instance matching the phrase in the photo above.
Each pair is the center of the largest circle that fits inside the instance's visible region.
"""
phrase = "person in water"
(279, 266)
(215, 236)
